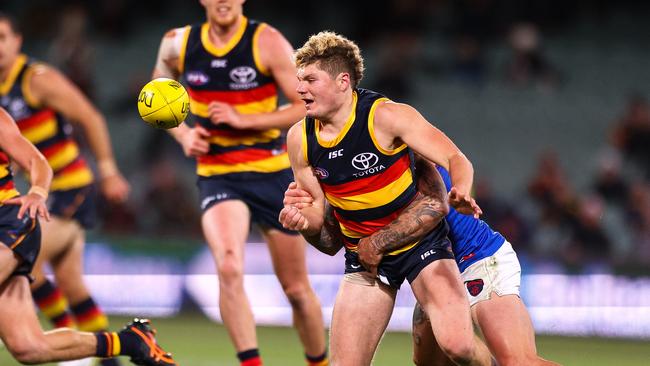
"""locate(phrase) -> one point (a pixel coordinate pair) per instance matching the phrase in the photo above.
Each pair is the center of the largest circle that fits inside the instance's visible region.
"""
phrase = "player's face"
(9, 45)
(319, 90)
(223, 12)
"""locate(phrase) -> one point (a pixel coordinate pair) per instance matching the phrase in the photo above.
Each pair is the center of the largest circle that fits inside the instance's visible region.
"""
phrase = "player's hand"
(464, 203)
(225, 113)
(296, 197)
(194, 141)
(369, 256)
(115, 188)
(32, 203)
(291, 218)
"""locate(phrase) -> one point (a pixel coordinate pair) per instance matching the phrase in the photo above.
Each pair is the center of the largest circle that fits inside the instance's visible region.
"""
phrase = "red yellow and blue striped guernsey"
(43, 127)
(232, 74)
(367, 185)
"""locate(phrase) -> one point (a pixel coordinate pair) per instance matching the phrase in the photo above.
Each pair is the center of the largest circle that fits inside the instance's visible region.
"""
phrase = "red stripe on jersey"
(4, 158)
(36, 119)
(8, 185)
(372, 183)
(234, 97)
(237, 156)
(367, 227)
(55, 148)
(78, 164)
(234, 133)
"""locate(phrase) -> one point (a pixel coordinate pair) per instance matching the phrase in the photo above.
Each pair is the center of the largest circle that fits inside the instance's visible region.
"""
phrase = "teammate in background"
(489, 268)
(20, 237)
(353, 150)
(41, 100)
(232, 68)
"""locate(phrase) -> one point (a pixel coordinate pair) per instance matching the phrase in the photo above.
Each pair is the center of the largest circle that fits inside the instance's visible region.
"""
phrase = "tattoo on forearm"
(417, 220)
(329, 241)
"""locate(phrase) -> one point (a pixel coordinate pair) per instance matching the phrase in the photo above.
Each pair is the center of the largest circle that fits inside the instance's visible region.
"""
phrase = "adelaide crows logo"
(474, 287)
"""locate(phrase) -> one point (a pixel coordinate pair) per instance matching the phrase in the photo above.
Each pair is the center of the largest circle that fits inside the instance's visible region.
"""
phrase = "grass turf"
(196, 341)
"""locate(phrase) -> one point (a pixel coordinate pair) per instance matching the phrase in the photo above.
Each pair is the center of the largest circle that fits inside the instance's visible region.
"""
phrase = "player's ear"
(343, 81)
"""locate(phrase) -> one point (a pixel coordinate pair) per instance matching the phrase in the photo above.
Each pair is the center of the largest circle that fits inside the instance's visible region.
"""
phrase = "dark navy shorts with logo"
(23, 236)
(262, 193)
(78, 204)
(393, 269)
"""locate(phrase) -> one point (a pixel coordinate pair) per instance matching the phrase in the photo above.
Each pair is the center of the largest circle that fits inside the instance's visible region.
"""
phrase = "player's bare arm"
(307, 220)
(21, 151)
(397, 123)
(276, 55)
(50, 88)
(193, 140)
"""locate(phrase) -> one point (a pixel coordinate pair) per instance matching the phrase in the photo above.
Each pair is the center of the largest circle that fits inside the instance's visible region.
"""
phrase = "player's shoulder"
(270, 35)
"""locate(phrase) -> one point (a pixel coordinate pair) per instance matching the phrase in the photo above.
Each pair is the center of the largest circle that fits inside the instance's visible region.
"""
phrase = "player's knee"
(230, 270)
(27, 351)
(461, 353)
(297, 294)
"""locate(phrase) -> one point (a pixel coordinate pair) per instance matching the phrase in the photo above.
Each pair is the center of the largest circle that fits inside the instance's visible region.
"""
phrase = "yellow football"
(163, 103)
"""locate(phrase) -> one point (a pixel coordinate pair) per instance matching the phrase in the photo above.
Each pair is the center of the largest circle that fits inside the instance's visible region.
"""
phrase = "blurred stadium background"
(549, 99)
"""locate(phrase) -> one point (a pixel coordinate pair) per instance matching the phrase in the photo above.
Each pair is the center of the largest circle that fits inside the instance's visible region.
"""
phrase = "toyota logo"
(243, 74)
(365, 161)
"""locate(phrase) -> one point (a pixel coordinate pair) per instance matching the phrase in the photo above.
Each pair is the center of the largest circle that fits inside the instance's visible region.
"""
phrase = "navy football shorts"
(263, 195)
(79, 204)
(393, 269)
(23, 236)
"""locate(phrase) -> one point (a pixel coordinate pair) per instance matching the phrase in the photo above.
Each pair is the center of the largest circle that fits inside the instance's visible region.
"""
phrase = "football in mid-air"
(163, 103)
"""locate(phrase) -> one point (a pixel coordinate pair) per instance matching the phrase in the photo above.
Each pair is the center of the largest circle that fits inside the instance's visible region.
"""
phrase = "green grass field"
(195, 341)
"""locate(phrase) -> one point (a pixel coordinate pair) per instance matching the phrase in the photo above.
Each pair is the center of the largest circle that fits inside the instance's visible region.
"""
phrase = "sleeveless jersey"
(7, 188)
(43, 127)
(366, 185)
(232, 74)
(471, 239)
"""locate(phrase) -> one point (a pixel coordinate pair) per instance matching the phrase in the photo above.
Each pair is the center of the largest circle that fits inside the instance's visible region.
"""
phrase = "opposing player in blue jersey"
(489, 269)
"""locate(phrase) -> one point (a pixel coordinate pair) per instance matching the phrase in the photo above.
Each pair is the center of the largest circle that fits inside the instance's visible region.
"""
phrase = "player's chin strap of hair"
(107, 168)
(38, 191)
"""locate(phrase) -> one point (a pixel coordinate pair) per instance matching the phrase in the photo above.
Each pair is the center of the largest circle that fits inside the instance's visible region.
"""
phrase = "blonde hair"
(334, 54)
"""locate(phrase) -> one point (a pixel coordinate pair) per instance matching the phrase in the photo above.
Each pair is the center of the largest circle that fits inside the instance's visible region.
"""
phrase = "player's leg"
(226, 226)
(57, 236)
(288, 255)
(439, 290)
(426, 351)
(361, 313)
(499, 311)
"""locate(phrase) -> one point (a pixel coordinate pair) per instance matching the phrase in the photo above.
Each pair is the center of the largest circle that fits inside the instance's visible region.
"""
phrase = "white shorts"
(499, 273)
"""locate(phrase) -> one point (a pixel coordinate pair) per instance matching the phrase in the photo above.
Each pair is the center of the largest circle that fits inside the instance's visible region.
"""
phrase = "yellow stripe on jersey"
(266, 105)
(65, 156)
(256, 51)
(4, 170)
(7, 194)
(269, 165)
(45, 130)
(371, 129)
(72, 180)
(25, 86)
(6, 85)
(303, 146)
(260, 138)
(378, 198)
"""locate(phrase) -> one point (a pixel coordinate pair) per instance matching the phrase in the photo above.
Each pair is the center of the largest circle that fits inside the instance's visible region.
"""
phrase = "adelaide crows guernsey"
(367, 185)
(7, 189)
(45, 128)
(232, 74)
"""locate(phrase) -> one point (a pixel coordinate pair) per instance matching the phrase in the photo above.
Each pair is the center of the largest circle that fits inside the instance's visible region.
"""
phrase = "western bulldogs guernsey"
(43, 127)
(472, 239)
(232, 74)
(367, 185)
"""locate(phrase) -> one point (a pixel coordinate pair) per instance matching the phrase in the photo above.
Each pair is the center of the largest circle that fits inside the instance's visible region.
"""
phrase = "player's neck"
(341, 115)
(220, 35)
